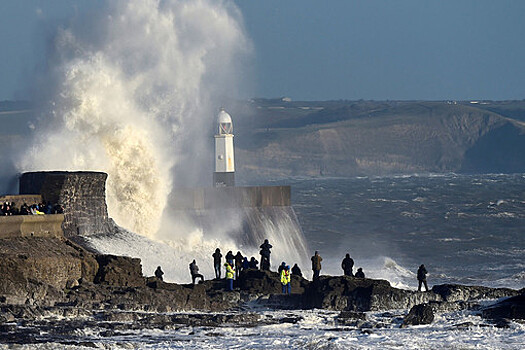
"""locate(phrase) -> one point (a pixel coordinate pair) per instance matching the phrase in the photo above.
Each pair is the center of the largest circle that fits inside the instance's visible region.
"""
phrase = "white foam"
(137, 97)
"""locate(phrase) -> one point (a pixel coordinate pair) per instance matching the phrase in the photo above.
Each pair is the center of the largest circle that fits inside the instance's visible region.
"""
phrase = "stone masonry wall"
(82, 194)
(231, 197)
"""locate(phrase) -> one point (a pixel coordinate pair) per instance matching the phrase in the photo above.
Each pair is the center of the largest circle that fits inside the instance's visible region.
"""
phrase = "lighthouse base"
(224, 179)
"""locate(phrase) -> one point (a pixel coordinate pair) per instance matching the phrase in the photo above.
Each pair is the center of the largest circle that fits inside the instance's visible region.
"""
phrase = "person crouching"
(194, 271)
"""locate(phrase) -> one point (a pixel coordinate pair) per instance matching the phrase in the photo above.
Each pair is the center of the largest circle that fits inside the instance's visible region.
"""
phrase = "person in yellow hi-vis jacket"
(285, 280)
(230, 274)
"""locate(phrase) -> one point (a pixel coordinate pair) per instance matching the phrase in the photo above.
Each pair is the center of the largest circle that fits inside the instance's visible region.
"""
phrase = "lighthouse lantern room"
(224, 174)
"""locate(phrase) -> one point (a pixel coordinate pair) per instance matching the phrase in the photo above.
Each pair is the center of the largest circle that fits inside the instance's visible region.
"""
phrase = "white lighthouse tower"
(224, 174)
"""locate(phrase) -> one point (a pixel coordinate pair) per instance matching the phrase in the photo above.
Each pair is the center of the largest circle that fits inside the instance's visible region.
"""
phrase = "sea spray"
(131, 91)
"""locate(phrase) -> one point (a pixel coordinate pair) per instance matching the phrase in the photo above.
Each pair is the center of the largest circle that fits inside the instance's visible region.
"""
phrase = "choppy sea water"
(467, 229)
(311, 329)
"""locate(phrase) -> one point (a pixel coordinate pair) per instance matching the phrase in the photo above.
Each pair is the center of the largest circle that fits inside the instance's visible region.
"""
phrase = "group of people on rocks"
(7, 209)
(347, 265)
(236, 263)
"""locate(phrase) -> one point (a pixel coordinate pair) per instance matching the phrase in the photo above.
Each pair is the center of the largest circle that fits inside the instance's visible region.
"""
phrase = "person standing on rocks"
(217, 256)
(316, 265)
(238, 263)
(230, 273)
(347, 265)
(194, 270)
(159, 273)
(230, 256)
(281, 268)
(265, 255)
(296, 271)
(245, 264)
(422, 277)
(253, 263)
(285, 280)
(360, 273)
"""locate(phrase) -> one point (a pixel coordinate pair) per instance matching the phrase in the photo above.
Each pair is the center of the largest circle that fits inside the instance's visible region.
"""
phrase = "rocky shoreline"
(57, 287)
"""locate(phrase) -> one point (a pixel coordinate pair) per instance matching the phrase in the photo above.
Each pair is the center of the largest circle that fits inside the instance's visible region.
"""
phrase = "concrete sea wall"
(231, 197)
(31, 226)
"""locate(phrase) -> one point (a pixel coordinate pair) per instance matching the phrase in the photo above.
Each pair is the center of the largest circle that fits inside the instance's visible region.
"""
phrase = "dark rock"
(291, 319)
(35, 269)
(282, 301)
(446, 306)
(456, 292)
(511, 308)
(353, 319)
(419, 314)
(361, 294)
(464, 325)
(119, 271)
(352, 315)
(72, 284)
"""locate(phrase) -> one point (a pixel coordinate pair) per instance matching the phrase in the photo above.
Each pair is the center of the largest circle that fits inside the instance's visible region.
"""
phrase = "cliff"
(348, 138)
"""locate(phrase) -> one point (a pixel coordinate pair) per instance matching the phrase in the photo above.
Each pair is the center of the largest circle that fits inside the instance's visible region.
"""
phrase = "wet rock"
(36, 269)
(291, 319)
(464, 325)
(361, 294)
(352, 315)
(267, 282)
(456, 292)
(72, 284)
(351, 318)
(282, 301)
(419, 314)
(446, 306)
(119, 271)
(511, 308)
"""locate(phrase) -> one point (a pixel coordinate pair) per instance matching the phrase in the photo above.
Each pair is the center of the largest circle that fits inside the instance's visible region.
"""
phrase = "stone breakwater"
(41, 277)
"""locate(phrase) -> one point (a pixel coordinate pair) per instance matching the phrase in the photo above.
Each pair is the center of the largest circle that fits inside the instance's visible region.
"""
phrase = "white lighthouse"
(224, 174)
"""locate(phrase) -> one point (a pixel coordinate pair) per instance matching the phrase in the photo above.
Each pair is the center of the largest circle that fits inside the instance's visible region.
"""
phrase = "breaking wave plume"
(126, 91)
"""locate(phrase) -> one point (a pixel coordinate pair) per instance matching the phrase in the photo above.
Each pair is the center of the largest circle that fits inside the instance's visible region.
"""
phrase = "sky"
(330, 50)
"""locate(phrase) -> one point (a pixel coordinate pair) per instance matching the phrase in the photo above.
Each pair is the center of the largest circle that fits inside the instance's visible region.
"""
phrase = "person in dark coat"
(194, 271)
(360, 273)
(347, 265)
(245, 264)
(265, 255)
(253, 263)
(281, 268)
(296, 271)
(230, 257)
(422, 277)
(238, 264)
(217, 256)
(316, 265)
(159, 273)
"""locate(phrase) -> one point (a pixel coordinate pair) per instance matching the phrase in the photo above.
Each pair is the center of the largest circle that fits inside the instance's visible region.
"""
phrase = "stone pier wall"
(231, 197)
(31, 226)
(82, 195)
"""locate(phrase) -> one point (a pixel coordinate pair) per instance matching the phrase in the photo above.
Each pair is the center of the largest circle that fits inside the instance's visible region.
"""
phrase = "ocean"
(467, 229)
